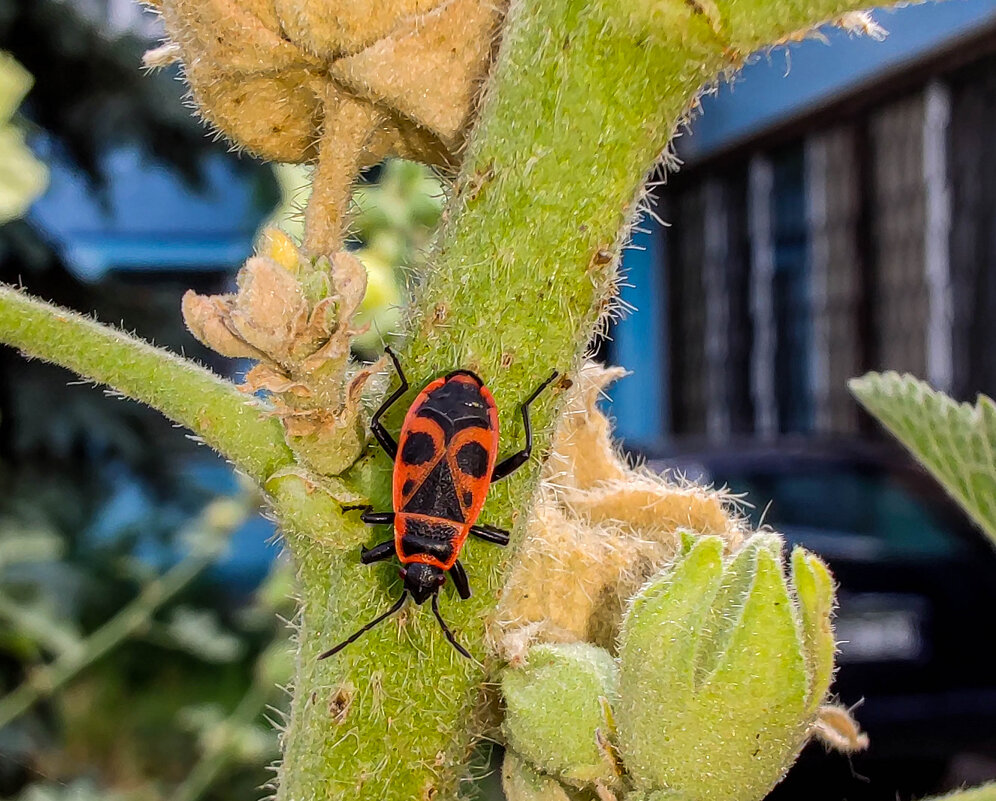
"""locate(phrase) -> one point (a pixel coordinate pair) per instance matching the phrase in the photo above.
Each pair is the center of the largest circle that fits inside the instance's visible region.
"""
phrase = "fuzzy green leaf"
(956, 442)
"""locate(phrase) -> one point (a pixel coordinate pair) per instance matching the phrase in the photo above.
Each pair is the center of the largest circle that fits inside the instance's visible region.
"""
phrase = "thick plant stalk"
(211, 407)
(581, 105)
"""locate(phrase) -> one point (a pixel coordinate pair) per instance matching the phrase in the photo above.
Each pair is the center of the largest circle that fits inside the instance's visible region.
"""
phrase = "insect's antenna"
(353, 638)
(445, 628)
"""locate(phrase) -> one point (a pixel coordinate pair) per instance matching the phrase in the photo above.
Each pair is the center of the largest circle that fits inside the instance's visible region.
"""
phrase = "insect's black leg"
(516, 460)
(446, 629)
(459, 576)
(354, 637)
(387, 442)
(377, 518)
(491, 534)
(378, 553)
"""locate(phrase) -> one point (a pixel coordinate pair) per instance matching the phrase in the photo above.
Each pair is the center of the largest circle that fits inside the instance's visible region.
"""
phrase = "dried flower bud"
(836, 728)
(600, 529)
(342, 83)
(294, 314)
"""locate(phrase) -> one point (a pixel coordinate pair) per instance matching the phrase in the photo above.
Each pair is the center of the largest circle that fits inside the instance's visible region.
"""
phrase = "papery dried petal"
(209, 319)
(583, 452)
(442, 51)
(270, 311)
(349, 280)
(263, 377)
(331, 27)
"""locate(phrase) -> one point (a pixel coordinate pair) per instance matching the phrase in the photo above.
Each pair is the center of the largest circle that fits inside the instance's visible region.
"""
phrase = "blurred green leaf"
(199, 632)
(21, 544)
(22, 176)
(82, 790)
(956, 442)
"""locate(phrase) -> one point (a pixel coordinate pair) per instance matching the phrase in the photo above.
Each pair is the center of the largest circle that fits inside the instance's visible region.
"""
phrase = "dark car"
(917, 616)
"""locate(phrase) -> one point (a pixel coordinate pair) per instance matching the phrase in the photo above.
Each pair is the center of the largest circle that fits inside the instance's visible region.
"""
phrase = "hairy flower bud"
(522, 783)
(722, 668)
(558, 711)
(294, 314)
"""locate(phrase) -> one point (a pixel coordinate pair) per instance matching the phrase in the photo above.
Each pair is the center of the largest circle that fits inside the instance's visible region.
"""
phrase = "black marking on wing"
(436, 496)
(472, 459)
(419, 448)
(457, 405)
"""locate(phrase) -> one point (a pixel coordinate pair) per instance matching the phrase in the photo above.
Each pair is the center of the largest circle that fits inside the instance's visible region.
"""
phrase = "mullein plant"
(547, 116)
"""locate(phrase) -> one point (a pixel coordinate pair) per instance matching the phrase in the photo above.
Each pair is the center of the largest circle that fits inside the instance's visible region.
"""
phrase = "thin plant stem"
(209, 767)
(211, 407)
(49, 633)
(45, 681)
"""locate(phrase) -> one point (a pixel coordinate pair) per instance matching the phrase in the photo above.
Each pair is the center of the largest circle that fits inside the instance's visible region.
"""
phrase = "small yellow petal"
(281, 248)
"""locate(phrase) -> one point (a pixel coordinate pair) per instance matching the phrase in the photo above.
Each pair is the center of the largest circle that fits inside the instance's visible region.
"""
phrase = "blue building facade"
(834, 213)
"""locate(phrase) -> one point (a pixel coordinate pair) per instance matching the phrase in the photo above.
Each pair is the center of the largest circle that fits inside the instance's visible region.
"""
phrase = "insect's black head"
(422, 581)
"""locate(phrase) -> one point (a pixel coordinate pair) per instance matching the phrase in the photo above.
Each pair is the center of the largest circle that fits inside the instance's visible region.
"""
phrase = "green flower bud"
(558, 712)
(721, 671)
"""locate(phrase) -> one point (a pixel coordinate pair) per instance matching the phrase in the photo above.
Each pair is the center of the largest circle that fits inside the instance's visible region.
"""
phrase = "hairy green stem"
(185, 392)
(582, 102)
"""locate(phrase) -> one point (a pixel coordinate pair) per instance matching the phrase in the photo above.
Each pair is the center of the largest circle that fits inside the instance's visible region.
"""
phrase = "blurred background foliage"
(143, 635)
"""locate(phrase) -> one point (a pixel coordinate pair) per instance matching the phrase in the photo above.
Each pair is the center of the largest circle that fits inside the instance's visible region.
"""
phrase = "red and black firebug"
(444, 463)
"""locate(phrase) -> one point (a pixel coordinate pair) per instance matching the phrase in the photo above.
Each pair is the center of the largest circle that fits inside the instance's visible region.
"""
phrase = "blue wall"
(793, 79)
(148, 217)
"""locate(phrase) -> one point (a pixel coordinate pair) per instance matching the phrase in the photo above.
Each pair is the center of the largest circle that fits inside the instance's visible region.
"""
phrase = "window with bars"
(686, 312)
(866, 244)
(792, 312)
(972, 175)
